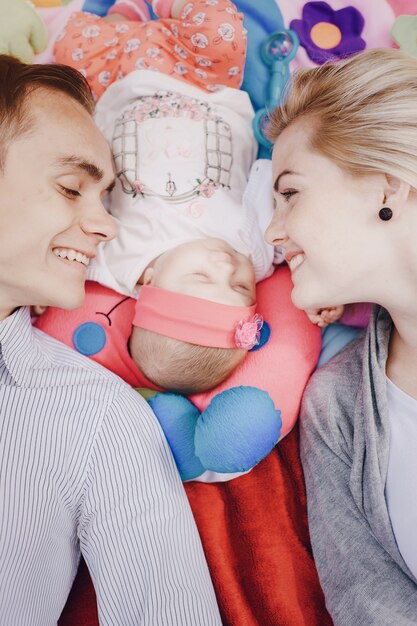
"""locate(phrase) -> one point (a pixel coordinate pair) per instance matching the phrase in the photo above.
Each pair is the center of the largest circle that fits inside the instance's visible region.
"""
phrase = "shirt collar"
(17, 344)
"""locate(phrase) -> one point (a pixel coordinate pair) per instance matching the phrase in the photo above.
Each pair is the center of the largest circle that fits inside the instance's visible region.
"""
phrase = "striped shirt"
(84, 468)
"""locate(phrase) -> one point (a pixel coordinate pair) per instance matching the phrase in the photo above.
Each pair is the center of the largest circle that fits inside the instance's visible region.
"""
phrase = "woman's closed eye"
(287, 194)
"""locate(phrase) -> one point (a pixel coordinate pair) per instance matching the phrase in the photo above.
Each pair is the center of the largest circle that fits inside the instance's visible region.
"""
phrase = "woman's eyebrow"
(284, 173)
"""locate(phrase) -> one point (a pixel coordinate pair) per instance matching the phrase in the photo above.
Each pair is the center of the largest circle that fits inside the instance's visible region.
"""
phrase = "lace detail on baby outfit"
(190, 160)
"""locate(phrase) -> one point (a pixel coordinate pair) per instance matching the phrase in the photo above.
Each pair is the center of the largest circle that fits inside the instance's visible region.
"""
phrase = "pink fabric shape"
(404, 7)
(281, 367)
(162, 8)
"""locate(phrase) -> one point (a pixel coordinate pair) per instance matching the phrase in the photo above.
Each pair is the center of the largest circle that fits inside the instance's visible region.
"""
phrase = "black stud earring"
(385, 214)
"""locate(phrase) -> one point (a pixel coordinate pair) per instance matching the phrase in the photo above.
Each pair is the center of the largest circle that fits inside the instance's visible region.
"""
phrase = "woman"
(345, 172)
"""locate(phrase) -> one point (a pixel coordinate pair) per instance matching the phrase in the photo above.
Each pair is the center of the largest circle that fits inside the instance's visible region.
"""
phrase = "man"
(84, 467)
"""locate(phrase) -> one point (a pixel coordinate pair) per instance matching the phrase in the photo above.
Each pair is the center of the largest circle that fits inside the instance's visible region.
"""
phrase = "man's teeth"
(296, 261)
(72, 255)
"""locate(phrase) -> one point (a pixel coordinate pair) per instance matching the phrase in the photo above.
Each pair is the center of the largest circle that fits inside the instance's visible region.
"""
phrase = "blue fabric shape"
(265, 334)
(89, 338)
(99, 7)
(238, 429)
(178, 417)
(335, 337)
(261, 19)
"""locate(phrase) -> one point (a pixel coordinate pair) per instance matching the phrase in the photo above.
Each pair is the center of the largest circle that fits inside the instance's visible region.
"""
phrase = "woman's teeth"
(71, 255)
(296, 261)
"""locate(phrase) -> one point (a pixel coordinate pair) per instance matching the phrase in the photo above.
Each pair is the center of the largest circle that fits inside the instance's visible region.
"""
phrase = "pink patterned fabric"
(205, 47)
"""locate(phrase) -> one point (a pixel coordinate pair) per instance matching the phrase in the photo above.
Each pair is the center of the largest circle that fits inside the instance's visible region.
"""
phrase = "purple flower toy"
(328, 34)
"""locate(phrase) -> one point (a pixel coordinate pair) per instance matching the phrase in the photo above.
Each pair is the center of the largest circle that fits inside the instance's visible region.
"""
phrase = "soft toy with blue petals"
(216, 434)
(236, 431)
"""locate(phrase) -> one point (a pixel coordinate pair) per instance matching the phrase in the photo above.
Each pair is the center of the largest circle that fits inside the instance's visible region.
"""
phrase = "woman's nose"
(276, 233)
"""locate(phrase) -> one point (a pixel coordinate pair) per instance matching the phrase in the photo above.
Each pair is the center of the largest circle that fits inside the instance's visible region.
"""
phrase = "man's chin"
(71, 302)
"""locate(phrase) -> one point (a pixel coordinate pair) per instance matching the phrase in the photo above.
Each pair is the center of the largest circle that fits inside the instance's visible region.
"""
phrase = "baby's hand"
(324, 317)
(37, 310)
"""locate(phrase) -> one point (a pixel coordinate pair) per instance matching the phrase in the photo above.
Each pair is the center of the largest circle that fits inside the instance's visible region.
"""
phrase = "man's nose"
(98, 222)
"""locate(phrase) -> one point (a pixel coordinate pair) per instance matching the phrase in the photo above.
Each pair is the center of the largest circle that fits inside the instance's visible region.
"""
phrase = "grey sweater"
(344, 449)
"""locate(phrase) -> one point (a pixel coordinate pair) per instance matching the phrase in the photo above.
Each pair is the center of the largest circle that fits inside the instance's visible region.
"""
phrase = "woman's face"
(327, 222)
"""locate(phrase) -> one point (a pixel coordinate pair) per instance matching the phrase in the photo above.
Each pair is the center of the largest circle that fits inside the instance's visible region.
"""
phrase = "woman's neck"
(402, 356)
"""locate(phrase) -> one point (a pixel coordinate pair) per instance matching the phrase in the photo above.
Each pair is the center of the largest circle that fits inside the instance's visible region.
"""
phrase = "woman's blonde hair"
(181, 367)
(363, 112)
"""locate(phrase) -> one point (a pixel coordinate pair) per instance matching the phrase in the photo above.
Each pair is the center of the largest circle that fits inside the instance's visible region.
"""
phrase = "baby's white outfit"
(183, 158)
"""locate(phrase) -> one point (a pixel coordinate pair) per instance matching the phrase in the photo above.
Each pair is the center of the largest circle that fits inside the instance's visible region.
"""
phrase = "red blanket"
(254, 532)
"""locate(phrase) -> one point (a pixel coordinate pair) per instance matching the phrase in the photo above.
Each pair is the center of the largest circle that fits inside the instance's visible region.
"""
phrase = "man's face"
(51, 214)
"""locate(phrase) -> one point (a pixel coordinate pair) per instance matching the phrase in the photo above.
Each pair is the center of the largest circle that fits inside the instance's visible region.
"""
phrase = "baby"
(181, 135)
(189, 246)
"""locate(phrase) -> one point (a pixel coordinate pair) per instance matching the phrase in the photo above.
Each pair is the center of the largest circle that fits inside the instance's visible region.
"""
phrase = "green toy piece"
(22, 31)
(145, 392)
(404, 33)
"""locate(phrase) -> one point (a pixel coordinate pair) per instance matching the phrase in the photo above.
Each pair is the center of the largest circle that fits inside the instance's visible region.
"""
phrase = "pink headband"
(195, 320)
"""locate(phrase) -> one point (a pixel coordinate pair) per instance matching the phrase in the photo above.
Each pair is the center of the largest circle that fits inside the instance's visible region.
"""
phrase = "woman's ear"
(396, 193)
(147, 276)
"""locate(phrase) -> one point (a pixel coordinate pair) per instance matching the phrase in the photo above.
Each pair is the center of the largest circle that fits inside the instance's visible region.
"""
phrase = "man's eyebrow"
(95, 172)
(276, 183)
(87, 166)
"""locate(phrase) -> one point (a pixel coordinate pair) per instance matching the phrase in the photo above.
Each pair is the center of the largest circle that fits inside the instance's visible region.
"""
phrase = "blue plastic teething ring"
(276, 52)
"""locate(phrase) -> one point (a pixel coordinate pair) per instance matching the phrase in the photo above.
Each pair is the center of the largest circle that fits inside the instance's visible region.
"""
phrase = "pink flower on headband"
(248, 332)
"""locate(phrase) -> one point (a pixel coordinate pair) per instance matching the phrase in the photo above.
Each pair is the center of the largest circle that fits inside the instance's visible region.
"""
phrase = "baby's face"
(209, 269)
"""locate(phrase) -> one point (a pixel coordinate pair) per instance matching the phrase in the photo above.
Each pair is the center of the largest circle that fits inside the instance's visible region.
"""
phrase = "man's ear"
(396, 193)
(147, 276)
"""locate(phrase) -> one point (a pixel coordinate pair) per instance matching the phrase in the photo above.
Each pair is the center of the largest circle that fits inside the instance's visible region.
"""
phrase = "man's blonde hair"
(182, 367)
(362, 111)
